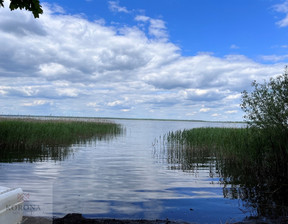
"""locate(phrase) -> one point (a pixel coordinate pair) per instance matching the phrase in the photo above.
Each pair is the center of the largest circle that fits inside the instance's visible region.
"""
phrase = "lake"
(127, 176)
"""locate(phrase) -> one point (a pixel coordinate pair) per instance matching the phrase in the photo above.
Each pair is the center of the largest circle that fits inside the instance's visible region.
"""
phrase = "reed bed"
(252, 163)
(28, 132)
(255, 149)
(239, 143)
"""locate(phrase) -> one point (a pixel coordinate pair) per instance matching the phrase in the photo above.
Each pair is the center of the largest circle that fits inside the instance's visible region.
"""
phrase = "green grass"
(15, 133)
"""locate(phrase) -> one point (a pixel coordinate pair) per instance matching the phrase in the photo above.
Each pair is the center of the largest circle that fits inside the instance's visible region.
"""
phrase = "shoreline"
(117, 118)
(79, 219)
(76, 218)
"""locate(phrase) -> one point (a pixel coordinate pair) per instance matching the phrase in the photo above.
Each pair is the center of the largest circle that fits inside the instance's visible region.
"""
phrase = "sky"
(161, 59)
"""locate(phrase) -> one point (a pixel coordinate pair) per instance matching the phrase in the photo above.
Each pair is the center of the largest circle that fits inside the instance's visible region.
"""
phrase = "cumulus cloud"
(66, 65)
(206, 71)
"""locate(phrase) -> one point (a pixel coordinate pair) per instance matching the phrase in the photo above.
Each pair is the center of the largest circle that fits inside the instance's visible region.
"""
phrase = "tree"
(267, 106)
(266, 110)
(30, 5)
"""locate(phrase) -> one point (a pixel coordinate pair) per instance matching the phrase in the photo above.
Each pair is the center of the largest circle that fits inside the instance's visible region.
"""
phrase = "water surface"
(126, 177)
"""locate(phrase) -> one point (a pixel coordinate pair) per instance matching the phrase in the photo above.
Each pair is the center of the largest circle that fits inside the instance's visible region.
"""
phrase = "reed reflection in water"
(34, 154)
(42, 153)
(261, 190)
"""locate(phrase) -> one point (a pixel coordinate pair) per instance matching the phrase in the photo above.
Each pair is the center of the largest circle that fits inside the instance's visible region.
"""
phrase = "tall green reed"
(219, 141)
(29, 132)
(251, 162)
(31, 138)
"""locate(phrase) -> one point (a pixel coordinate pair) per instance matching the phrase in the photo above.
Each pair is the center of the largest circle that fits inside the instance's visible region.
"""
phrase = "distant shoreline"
(113, 118)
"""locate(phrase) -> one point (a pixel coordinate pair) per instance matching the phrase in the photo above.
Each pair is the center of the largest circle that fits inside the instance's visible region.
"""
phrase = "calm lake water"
(128, 176)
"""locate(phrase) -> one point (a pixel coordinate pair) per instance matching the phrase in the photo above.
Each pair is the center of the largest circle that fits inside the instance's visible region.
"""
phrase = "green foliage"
(266, 111)
(267, 106)
(30, 5)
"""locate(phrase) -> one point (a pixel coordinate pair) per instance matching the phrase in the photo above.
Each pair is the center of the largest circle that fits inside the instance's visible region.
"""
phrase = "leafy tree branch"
(267, 105)
(30, 5)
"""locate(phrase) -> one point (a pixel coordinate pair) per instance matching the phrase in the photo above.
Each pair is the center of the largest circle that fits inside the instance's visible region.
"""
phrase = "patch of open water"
(125, 178)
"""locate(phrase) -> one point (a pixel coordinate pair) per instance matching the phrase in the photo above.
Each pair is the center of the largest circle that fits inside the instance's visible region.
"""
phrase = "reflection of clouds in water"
(36, 181)
(42, 177)
(122, 179)
(205, 194)
(111, 178)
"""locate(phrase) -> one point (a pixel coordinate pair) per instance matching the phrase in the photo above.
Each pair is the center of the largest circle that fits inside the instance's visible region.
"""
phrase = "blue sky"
(222, 27)
(184, 59)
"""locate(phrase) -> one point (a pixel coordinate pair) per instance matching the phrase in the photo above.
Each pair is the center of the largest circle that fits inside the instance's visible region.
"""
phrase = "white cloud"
(64, 64)
(204, 71)
(55, 8)
(68, 92)
(231, 112)
(274, 58)
(233, 96)
(142, 18)
(37, 103)
(283, 8)
(234, 46)
(157, 27)
(51, 69)
(114, 103)
(204, 110)
(114, 6)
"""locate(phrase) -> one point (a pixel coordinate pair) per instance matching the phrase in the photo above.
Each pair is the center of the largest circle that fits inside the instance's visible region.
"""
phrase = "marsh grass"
(234, 143)
(252, 163)
(29, 138)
